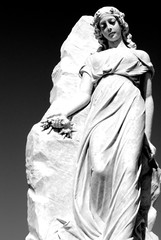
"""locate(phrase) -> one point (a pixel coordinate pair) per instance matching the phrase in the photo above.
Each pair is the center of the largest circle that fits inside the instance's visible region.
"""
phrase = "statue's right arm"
(78, 100)
(82, 97)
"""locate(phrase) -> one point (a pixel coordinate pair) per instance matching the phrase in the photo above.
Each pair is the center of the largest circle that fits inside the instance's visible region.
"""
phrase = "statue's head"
(102, 12)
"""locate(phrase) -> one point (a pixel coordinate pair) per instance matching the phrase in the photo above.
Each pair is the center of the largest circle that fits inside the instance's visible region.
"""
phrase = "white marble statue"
(117, 178)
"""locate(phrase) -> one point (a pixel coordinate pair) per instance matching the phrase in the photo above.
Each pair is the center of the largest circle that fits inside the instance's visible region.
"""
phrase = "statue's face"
(110, 28)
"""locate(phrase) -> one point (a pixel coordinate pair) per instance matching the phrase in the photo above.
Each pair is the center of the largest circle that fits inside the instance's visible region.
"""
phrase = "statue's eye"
(103, 26)
(112, 21)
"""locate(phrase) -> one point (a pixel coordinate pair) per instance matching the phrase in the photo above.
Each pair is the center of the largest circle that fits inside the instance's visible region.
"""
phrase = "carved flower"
(65, 128)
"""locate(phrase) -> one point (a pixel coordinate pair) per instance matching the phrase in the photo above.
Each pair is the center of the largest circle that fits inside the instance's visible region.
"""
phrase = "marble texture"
(51, 159)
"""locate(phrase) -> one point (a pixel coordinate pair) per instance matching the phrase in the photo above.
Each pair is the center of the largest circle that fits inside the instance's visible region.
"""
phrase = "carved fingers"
(60, 124)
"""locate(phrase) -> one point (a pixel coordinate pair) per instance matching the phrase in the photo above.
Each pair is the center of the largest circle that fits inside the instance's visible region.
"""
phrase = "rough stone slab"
(50, 159)
(50, 164)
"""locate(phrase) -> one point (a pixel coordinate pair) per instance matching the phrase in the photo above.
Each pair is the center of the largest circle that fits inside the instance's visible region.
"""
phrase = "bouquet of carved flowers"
(60, 124)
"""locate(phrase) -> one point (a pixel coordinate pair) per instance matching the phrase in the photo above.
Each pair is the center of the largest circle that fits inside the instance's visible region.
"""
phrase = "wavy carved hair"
(127, 37)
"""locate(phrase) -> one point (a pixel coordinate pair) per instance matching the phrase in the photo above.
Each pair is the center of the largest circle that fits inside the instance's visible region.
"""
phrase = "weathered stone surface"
(50, 159)
(50, 170)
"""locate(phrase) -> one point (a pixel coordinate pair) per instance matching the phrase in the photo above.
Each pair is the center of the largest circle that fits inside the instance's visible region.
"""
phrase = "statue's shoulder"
(143, 55)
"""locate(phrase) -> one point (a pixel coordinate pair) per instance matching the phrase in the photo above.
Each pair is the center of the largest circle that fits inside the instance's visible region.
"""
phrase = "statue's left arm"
(149, 107)
(149, 104)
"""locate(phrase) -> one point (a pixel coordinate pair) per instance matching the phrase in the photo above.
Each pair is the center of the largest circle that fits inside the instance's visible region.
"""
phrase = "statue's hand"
(59, 123)
(152, 148)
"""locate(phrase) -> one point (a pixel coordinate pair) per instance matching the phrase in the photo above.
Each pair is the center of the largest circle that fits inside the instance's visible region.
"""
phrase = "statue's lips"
(111, 34)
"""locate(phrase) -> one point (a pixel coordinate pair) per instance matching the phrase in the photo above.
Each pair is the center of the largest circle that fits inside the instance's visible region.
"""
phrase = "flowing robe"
(109, 201)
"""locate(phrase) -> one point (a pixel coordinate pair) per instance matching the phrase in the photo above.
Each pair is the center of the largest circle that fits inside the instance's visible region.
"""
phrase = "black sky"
(30, 41)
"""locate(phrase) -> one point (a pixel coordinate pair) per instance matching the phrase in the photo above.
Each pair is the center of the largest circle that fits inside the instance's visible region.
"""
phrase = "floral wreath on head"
(127, 37)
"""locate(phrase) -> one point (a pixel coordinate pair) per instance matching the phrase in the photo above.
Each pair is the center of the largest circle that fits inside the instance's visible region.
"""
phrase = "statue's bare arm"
(149, 108)
(78, 101)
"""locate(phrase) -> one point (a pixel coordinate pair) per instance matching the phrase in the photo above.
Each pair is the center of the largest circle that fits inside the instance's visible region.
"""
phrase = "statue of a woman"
(112, 191)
